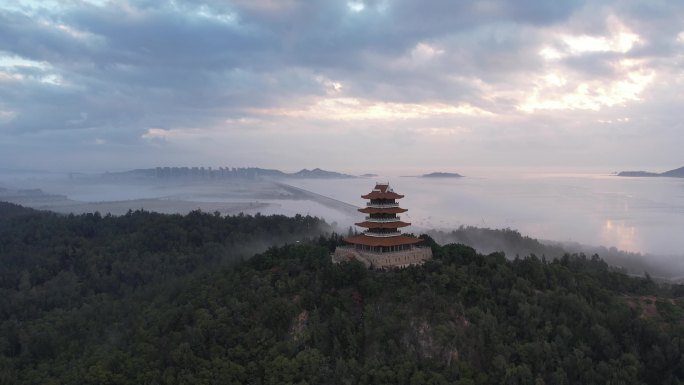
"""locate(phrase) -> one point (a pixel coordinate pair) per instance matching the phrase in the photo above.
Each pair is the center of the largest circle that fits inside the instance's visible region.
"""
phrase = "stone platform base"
(413, 256)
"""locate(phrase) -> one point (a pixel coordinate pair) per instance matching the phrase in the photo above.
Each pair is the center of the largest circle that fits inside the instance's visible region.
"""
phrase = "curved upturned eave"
(387, 210)
(382, 195)
(382, 225)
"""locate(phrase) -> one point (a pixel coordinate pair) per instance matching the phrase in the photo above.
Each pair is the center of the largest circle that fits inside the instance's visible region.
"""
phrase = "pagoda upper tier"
(382, 194)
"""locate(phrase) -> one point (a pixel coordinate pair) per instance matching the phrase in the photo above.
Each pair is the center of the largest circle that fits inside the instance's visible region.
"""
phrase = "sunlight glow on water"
(622, 236)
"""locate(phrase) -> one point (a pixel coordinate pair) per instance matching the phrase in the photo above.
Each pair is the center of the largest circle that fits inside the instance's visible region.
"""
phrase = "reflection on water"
(620, 235)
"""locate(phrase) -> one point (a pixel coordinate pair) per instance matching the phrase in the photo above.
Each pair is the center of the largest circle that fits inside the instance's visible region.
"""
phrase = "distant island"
(676, 173)
(368, 175)
(318, 173)
(442, 175)
(220, 173)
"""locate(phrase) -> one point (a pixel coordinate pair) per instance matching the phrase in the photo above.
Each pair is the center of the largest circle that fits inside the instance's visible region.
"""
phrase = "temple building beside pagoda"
(382, 244)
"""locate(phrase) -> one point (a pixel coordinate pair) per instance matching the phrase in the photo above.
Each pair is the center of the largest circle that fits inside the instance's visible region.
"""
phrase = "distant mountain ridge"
(318, 173)
(442, 175)
(676, 173)
(222, 173)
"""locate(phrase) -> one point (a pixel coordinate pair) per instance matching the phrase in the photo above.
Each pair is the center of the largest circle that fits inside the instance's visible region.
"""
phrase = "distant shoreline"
(435, 175)
(676, 173)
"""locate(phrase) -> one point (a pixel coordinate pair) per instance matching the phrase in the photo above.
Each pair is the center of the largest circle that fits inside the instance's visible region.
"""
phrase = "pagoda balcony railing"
(352, 247)
(381, 205)
(383, 220)
(382, 235)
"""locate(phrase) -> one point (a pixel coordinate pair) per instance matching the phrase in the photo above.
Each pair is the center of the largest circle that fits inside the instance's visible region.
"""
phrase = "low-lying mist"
(638, 222)
(514, 244)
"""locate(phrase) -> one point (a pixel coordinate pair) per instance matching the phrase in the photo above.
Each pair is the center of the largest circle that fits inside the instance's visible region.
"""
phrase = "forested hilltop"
(167, 299)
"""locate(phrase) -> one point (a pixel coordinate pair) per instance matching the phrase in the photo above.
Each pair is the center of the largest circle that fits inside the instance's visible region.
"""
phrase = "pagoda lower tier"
(383, 242)
(383, 252)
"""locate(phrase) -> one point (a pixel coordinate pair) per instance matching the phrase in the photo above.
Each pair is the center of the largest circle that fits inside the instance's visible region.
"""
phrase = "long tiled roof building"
(382, 244)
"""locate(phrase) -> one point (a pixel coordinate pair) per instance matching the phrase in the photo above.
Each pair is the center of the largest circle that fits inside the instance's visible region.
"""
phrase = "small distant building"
(382, 244)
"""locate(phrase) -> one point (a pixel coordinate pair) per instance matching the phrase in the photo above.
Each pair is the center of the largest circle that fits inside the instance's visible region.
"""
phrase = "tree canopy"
(167, 299)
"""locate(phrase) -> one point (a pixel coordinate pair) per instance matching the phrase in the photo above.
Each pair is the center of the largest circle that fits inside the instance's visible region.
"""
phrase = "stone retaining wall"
(413, 256)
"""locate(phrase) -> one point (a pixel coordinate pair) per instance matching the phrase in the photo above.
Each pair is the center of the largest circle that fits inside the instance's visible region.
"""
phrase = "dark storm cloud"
(164, 38)
(128, 68)
(112, 72)
(123, 64)
(27, 37)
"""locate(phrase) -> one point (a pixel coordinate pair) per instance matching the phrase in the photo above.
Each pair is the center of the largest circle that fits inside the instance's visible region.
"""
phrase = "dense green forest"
(167, 299)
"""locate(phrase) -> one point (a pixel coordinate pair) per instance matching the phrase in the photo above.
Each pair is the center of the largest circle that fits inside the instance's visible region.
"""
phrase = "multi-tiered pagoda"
(382, 244)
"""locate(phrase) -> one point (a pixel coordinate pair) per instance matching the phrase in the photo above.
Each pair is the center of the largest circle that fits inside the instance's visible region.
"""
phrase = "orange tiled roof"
(382, 195)
(388, 210)
(386, 241)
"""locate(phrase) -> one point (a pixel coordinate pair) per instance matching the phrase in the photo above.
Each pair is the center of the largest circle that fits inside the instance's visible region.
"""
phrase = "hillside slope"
(100, 300)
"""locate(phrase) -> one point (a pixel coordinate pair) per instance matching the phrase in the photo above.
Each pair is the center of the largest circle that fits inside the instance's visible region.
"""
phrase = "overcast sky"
(360, 86)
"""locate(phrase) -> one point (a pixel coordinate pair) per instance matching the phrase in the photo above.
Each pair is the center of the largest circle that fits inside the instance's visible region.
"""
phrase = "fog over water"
(644, 215)
(633, 214)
